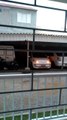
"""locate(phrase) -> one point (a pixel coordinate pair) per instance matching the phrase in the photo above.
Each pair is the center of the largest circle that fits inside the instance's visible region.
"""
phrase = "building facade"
(17, 16)
(22, 16)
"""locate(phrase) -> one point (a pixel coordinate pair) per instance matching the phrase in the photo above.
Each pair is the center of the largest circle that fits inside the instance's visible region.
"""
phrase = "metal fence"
(24, 98)
(35, 95)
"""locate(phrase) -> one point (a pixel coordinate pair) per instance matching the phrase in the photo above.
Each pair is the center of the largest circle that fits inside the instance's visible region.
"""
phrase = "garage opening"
(19, 53)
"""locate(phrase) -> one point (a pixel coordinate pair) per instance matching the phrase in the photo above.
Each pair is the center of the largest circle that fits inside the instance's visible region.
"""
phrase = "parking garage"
(41, 49)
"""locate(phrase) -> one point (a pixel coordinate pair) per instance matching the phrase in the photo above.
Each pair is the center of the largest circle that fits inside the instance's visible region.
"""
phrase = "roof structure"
(14, 5)
(29, 37)
(45, 33)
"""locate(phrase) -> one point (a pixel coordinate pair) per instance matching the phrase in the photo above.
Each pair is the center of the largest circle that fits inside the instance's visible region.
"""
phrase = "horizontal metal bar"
(33, 108)
(33, 90)
(59, 117)
(55, 117)
(53, 8)
(17, 2)
(31, 28)
(47, 51)
(37, 51)
(33, 4)
(37, 74)
(60, 73)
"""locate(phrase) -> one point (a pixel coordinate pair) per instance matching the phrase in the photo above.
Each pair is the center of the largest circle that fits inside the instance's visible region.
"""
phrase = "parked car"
(7, 57)
(57, 60)
(38, 63)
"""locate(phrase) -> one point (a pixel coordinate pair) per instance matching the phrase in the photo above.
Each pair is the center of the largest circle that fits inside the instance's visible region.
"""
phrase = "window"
(24, 17)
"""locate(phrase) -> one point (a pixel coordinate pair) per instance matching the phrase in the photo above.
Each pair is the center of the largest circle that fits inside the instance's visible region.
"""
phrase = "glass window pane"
(28, 18)
(24, 17)
(21, 17)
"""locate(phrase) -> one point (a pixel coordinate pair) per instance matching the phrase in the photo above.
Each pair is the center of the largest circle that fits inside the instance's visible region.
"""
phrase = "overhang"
(29, 37)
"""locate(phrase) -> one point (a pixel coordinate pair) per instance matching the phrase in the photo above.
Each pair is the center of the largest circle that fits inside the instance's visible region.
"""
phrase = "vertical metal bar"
(32, 76)
(37, 99)
(32, 71)
(65, 21)
(65, 85)
(4, 100)
(60, 96)
(30, 111)
(27, 54)
(30, 95)
(30, 114)
(34, 2)
(27, 68)
(52, 96)
(13, 101)
(33, 47)
(62, 60)
(44, 99)
(22, 102)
